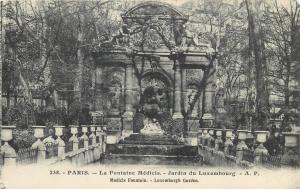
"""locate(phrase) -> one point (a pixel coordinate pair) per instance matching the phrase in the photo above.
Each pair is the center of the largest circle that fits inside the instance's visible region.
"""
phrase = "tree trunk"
(80, 58)
(78, 79)
(1, 60)
(262, 111)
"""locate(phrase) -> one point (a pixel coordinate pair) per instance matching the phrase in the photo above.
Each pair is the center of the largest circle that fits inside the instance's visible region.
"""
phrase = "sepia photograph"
(152, 94)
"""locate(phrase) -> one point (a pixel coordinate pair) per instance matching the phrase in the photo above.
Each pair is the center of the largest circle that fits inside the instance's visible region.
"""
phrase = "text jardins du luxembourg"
(168, 176)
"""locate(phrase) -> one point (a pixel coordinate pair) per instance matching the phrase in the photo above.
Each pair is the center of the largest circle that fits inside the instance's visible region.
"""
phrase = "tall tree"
(283, 44)
(256, 36)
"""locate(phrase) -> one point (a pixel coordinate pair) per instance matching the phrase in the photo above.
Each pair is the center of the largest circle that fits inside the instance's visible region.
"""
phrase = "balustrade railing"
(81, 143)
(27, 156)
(90, 141)
(69, 146)
(55, 150)
(232, 151)
(271, 161)
(248, 155)
(240, 154)
(48, 148)
(51, 150)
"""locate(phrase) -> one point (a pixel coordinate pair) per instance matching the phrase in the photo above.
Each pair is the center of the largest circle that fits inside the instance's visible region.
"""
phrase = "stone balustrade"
(226, 152)
(219, 147)
(50, 151)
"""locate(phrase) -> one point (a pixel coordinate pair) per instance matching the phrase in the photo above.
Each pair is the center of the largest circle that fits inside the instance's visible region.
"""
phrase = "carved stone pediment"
(154, 25)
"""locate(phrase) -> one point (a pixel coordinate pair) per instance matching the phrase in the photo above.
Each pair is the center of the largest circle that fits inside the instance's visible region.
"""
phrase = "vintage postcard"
(150, 94)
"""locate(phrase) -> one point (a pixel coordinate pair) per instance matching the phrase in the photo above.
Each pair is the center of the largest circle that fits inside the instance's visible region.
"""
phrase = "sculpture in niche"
(151, 110)
(114, 96)
(160, 92)
(192, 100)
(191, 96)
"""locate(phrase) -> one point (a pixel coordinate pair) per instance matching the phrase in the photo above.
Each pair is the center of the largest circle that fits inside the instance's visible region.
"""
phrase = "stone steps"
(151, 150)
(141, 139)
(172, 150)
(129, 159)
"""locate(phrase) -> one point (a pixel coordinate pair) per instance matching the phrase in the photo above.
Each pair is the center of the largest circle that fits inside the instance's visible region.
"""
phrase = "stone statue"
(190, 41)
(151, 126)
(122, 36)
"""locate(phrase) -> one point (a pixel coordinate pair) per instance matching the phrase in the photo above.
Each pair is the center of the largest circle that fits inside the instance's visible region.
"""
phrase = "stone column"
(291, 154)
(242, 135)
(218, 141)
(92, 135)
(177, 92)
(205, 137)
(200, 136)
(39, 145)
(98, 134)
(74, 138)
(261, 137)
(211, 139)
(128, 115)
(84, 137)
(192, 120)
(75, 142)
(104, 139)
(60, 142)
(228, 143)
(98, 82)
(209, 92)
(178, 126)
(10, 155)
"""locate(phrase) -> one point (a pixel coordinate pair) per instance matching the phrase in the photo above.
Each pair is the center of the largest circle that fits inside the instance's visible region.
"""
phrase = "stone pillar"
(205, 137)
(242, 135)
(192, 118)
(200, 136)
(218, 141)
(184, 90)
(191, 138)
(61, 144)
(261, 137)
(112, 137)
(84, 137)
(92, 135)
(9, 153)
(128, 115)
(74, 138)
(98, 105)
(98, 134)
(209, 92)
(99, 137)
(211, 138)
(178, 126)
(228, 143)
(177, 93)
(104, 137)
(291, 154)
(39, 145)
